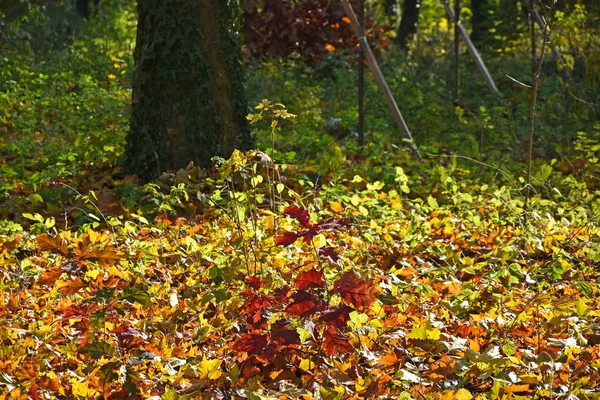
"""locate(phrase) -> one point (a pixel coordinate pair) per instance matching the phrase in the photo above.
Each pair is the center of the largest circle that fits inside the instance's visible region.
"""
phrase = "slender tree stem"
(534, 93)
(361, 77)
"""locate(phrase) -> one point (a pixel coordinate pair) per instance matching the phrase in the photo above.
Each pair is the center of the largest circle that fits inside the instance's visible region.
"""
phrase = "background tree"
(188, 97)
(480, 20)
(408, 23)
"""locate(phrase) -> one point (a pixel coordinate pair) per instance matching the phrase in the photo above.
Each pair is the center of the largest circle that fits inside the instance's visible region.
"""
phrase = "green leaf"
(586, 289)
(543, 173)
(432, 202)
(135, 294)
(509, 348)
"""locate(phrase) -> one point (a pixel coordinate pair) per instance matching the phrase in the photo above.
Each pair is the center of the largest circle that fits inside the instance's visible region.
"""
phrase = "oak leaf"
(304, 304)
(337, 317)
(310, 279)
(335, 342)
(298, 213)
(54, 245)
(355, 291)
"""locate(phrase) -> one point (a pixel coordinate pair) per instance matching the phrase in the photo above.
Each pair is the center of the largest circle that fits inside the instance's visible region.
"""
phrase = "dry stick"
(361, 78)
(380, 78)
(474, 53)
(534, 93)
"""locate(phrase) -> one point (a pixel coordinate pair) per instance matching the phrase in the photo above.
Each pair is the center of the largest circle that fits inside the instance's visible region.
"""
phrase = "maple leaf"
(72, 286)
(54, 245)
(304, 304)
(210, 368)
(335, 342)
(50, 276)
(286, 239)
(355, 291)
(298, 213)
(337, 317)
(104, 257)
(310, 279)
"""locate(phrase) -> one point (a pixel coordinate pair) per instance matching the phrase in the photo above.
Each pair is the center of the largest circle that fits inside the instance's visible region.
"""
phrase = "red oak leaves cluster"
(320, 309)
(310, 230)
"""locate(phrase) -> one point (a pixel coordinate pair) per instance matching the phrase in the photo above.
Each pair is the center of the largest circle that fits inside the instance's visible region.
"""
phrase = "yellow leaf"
(210, 368)
(336, 207)
(463, 394)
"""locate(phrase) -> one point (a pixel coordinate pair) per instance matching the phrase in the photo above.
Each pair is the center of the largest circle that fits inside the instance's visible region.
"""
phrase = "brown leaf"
(105, 257)
(54, 245)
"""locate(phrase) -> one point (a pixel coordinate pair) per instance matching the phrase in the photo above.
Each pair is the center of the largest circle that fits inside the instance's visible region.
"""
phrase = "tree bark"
(408, 23)
(188, 100)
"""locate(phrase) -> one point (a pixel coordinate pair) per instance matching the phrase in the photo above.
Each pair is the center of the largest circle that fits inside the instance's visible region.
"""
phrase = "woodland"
(221, 199)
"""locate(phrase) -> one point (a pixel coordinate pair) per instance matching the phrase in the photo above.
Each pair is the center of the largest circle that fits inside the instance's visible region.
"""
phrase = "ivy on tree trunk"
(188, 99)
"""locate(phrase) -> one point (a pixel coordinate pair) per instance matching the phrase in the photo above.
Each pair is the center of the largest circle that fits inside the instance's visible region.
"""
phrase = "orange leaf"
(388, 360)
(72, 287)
(336, 207)
(49, 277)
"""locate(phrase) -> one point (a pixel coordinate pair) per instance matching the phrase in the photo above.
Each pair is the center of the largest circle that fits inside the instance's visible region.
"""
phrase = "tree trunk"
(480, 20)
(408, 23)
(188, 100)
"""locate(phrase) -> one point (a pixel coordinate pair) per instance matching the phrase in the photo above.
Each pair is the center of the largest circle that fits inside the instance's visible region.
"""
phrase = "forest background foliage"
(309, 268)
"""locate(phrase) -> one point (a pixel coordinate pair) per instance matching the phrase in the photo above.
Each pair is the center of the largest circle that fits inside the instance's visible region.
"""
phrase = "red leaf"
(312, 278)
(251, 343)
(330, 253)
(335, 342)
(33, 391)
(285, 336)
(300, 214)
(54, 245)
(337, 317)
(287, 239)
(254, 282)
(281, 293)
(355, 291)
(305, 304)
